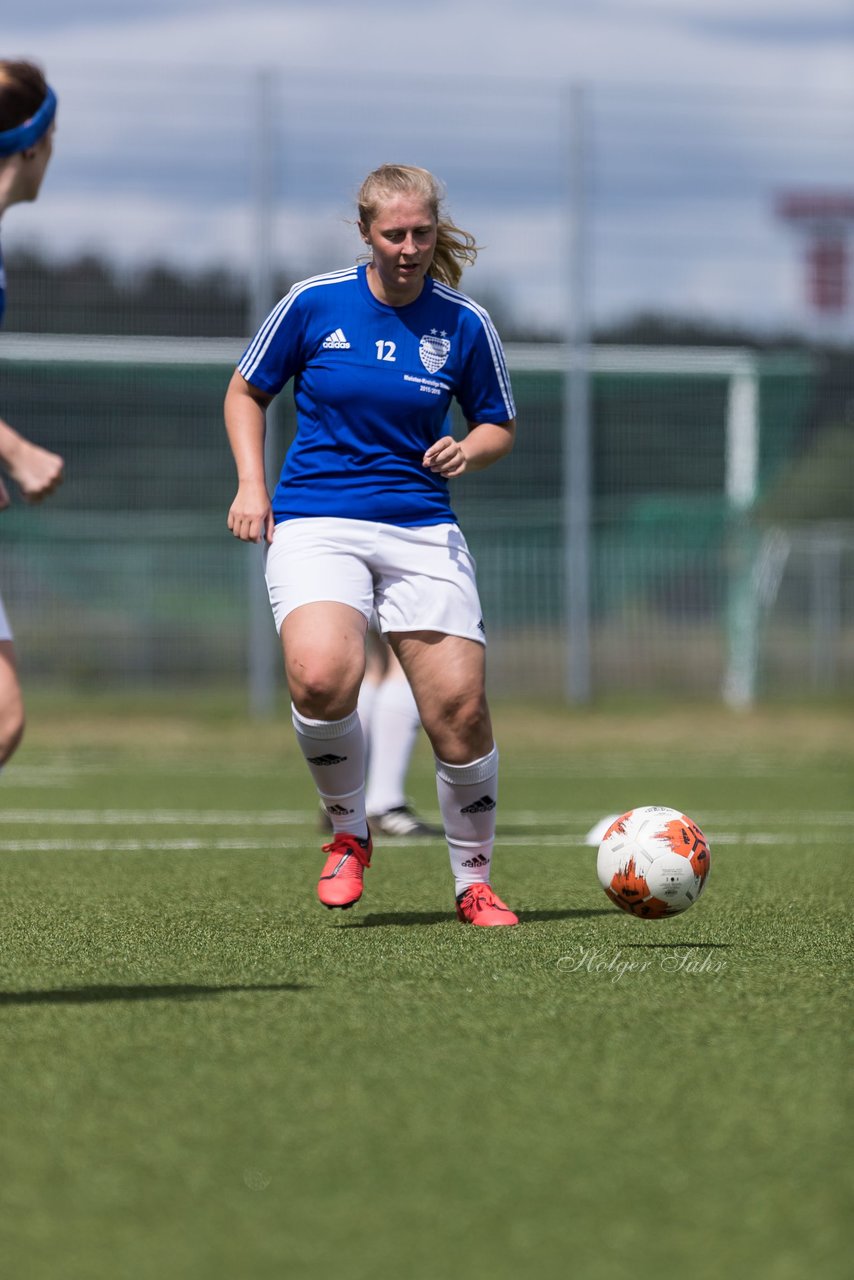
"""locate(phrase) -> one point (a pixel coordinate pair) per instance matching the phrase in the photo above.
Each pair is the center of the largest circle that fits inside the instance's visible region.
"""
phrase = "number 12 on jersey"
(386, 350)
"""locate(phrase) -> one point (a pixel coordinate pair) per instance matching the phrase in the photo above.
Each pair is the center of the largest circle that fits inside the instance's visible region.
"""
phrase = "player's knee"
(469, 712)
(462, 728)
(321, 694)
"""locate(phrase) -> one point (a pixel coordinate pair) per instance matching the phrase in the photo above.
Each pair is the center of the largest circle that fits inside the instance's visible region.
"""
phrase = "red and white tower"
(825, 222)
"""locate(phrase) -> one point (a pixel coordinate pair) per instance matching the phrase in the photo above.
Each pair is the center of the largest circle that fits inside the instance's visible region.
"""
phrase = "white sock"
(468, 795)
(335, 753)
(394, 725)
(365, 708)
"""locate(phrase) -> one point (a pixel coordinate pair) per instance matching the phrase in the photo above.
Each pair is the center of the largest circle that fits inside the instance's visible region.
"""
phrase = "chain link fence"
(719, 557)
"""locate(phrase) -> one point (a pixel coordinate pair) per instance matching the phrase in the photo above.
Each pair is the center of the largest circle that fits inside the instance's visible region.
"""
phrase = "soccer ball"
(653, 862)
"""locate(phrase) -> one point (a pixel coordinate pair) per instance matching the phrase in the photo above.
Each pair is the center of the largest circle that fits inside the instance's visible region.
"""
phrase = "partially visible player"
(390, 723)
(27, 124)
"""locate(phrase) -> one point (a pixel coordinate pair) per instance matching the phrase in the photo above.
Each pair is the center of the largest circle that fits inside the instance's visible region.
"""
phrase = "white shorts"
(416, 579)
(5, 628)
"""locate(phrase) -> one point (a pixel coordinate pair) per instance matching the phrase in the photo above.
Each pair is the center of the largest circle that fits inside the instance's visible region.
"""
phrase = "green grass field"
(205, 1074)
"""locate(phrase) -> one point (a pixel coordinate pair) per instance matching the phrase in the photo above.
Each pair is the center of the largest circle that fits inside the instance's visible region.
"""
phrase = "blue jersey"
(2, 289)
(373, 385)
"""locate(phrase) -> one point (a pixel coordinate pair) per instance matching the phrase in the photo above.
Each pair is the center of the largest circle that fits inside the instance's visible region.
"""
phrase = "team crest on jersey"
(433, 351)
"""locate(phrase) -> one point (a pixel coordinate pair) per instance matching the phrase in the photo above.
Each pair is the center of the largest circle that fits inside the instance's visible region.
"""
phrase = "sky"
(752, 43)
(698, 113)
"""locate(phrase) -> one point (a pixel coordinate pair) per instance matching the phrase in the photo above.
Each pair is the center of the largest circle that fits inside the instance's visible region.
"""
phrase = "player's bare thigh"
(11, 702)
(447, 675)
(324, 650)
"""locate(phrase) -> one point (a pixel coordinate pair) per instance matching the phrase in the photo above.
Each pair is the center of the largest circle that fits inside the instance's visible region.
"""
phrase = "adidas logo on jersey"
(336, 341)
(483, 805)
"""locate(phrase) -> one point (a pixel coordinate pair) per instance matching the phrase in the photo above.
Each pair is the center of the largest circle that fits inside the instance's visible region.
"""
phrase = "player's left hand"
(445, 457)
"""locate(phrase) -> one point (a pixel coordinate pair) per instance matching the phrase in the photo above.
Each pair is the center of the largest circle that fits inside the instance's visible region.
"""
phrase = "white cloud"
(621, 41)
(690, 97)
(773, 13)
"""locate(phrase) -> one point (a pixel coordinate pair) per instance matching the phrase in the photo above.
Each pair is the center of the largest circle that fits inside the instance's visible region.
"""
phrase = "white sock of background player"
(394, 725)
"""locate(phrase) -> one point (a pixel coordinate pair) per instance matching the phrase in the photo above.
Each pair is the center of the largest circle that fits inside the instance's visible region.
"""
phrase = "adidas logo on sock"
(336, 341)
(477, 861)
(327, 759)
(483, 805)
(338, 811)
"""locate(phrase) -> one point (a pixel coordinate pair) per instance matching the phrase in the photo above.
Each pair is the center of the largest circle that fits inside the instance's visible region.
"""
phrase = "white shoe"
(402, 821)
(596, 834)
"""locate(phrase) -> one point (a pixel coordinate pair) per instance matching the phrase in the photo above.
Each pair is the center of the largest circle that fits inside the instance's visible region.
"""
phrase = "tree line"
(89, 294)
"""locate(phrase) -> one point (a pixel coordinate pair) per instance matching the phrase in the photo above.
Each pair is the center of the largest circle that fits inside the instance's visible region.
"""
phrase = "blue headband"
(28, 134)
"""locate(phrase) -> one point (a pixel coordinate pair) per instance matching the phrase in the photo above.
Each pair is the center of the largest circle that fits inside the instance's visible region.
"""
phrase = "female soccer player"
(27, 114)
(361, 518)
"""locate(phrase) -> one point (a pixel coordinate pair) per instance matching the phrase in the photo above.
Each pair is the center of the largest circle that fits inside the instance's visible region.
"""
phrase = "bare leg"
(324, 649)
(447, 678)
(11, 703)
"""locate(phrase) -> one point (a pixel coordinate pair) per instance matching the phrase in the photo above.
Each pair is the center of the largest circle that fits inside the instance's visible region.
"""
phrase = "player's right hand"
(250, 517)
(36, 471)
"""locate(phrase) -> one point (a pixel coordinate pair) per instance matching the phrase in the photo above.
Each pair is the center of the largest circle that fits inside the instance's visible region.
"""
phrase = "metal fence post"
(742, 479)
(577, 503)
(262, 650)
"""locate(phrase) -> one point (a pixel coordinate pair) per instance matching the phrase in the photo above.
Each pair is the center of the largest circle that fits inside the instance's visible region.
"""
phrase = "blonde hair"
(23, 89)
(455, 248)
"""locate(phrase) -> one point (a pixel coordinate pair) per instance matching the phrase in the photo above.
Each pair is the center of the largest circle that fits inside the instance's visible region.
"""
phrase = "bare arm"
(485, 443)
(36, 471)
(250, 516)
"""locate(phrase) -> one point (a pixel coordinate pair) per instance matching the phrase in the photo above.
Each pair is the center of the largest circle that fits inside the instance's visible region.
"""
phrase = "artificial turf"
(205, 1074)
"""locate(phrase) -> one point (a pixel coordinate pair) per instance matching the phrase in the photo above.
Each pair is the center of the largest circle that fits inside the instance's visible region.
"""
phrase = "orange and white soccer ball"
(653, 862)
